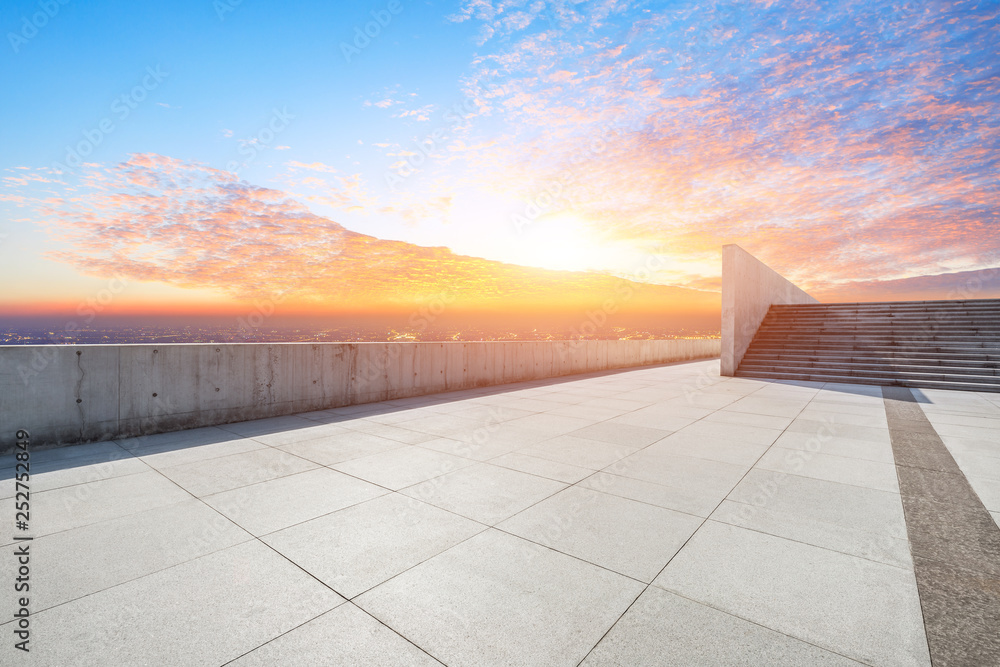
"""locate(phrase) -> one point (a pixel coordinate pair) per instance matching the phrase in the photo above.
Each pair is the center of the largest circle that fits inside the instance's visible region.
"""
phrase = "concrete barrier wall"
(69, 394)
(749, 288)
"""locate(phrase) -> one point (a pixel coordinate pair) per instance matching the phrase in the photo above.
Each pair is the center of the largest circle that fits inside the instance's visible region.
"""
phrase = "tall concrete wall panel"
(68, 394)
(749, 288)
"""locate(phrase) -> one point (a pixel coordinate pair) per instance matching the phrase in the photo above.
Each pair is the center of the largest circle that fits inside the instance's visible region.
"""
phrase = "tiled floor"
(655, 516)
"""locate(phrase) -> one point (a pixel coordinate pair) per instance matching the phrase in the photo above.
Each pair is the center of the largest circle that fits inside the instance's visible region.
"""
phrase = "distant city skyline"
(490, 159)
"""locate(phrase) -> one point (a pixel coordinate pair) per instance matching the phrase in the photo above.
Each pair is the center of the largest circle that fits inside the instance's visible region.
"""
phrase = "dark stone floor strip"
(954, 541)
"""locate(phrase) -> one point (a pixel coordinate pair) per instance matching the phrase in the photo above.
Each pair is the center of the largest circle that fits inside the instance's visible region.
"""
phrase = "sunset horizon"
(508, 160)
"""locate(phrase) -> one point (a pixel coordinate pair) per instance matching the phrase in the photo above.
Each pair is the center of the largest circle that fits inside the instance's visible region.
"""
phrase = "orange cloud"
(156, 219)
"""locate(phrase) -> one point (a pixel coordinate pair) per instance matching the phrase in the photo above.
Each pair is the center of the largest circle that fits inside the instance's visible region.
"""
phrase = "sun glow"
(566, 242)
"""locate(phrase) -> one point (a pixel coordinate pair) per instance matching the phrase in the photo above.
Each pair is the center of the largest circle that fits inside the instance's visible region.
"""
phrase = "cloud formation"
(837, 142)
(156, 218)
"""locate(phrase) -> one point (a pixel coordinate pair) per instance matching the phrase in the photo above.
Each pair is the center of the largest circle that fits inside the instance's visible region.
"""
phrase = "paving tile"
(615, 404)
(963, 431)
(676, 408)
(487, 445)
(837, 446)
(727, 450)
(978, 465)
(848, 389)
(279, 503)
(701, 399)
(649, 418)
(551, 424)
(484, 492)
(533, 404)
(359, 547)
(394, 417)
(988, 491)
(831, 468)
(591, 412)
(398, 468)
(581, 452)
(561, 472)
(873, 409)
(839, 428)
(259, 427)
(682, 483)
(496, 599)
(736, 433)
(342, 447)
(851, 519)
(58, 474)
(961, 613)
(84, 504)
(958, 535)
(344, 636)
(727, 416)
(855, 419)
(67, 457)
(666, 629)
(629, 537)
(941, 487)
(178, 439)
(492, 413)
(295, 435)
(451, 446)
(992, 423)
(625, 435)
(80, 561)
(922, 450)
(230, 472)
(203, 612)
(446, 426)
(768, 406)
(863, 610)
(902, 410)
(174, 454)
(405, 436)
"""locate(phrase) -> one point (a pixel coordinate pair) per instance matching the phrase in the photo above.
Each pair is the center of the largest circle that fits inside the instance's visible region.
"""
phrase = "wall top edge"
(574, 341)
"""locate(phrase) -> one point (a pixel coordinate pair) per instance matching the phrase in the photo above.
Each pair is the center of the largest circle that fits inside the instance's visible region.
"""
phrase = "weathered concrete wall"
(749, 288)
(68, 394)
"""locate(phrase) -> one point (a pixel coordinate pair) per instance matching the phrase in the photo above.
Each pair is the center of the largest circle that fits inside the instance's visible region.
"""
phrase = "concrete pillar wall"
(749, 288)
(69, 394)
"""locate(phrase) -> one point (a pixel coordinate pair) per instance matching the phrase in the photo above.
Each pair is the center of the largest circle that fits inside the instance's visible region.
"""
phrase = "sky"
(193, 157)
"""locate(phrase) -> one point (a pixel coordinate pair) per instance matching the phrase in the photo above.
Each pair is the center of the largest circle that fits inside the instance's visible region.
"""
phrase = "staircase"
(929, 344)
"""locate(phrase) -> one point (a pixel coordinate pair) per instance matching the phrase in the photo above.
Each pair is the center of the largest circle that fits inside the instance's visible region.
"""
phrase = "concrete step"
(957, 361)
(887, 322)
(865, 348)
(893, 305)
(881, 323)
(951, 344)
(894, 368)
(883, 381)
(958, 308)
(821, 337)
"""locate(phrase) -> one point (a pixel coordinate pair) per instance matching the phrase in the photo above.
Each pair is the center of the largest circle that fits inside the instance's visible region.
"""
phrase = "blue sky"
(848, 144)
